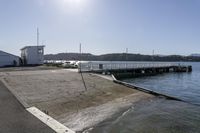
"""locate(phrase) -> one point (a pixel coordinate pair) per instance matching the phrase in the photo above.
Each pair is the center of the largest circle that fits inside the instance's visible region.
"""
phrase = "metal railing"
(95, 66)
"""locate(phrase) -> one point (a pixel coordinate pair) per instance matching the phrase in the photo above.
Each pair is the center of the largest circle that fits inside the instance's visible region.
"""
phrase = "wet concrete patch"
(157, 116)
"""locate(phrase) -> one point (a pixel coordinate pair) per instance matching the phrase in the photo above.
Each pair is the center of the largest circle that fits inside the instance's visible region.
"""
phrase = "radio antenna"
(38, 36)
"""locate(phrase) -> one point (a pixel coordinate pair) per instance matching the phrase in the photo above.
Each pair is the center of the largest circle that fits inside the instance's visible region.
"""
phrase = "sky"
(102, 26)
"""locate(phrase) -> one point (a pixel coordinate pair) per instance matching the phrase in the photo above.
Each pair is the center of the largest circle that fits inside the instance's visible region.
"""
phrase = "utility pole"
(80, 50)
(126, 54)
(126, 50)
(153, 55)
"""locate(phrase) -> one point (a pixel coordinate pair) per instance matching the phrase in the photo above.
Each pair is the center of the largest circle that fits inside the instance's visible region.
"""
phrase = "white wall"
(7, 59)
(32, 56)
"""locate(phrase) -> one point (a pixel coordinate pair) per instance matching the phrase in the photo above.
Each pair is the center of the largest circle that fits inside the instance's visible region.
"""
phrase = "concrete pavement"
(61, 93)
(14, 118)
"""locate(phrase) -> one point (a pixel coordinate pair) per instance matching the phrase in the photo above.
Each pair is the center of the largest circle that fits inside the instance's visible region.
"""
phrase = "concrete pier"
(127, 70)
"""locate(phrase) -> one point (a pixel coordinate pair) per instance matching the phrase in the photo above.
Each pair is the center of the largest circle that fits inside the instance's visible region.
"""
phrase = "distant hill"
(118, 57)
(69, 56)
(195, 55)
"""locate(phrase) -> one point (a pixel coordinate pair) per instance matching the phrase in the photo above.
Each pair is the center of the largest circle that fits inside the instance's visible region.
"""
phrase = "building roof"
(8, 53)
(32, 46)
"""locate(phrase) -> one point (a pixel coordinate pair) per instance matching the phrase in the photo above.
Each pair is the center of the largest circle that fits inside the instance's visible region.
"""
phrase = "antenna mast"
(38, 35)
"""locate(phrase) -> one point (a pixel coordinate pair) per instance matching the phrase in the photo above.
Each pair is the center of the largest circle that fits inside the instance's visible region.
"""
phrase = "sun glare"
(77, 2)
(73, 6)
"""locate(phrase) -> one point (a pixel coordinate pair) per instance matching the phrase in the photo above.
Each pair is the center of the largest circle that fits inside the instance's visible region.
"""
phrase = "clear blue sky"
(102, 26)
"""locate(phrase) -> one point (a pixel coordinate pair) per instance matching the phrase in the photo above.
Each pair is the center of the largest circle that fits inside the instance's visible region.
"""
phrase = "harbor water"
(161, 115)
(185, 86)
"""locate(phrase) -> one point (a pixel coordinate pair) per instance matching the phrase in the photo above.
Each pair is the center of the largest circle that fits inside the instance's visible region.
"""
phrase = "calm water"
(185, 86)
(161, 115)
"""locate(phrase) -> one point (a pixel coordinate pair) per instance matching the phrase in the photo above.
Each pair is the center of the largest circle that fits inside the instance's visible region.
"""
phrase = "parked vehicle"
(70, 64)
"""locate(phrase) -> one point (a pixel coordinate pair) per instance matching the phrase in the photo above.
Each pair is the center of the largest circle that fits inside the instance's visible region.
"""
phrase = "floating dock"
(124, 70)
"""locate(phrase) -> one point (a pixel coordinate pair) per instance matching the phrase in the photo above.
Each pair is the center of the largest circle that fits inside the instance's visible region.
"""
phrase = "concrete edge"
(110, 78)
(113, 77)
(49, 121)
(24, 104)
(145, 90)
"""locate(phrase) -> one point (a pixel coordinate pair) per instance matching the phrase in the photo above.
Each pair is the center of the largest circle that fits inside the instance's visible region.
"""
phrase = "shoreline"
(61, 93)
(105, 107)
(157, 115)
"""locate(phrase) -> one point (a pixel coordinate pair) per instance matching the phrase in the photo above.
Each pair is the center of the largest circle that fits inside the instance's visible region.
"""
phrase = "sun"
(73, 6)
(77, 2)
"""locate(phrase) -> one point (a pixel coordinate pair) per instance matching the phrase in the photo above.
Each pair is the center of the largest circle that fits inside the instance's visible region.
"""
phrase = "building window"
(40, 51)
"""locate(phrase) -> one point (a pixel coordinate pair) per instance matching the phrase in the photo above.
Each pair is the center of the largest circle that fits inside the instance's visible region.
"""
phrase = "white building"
(7, 59)
(32, 55)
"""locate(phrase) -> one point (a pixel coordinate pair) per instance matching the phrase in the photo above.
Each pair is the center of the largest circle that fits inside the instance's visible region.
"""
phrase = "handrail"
(95, 66)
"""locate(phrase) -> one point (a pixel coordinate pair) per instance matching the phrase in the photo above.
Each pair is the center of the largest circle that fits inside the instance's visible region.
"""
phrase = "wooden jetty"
(132, 69)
